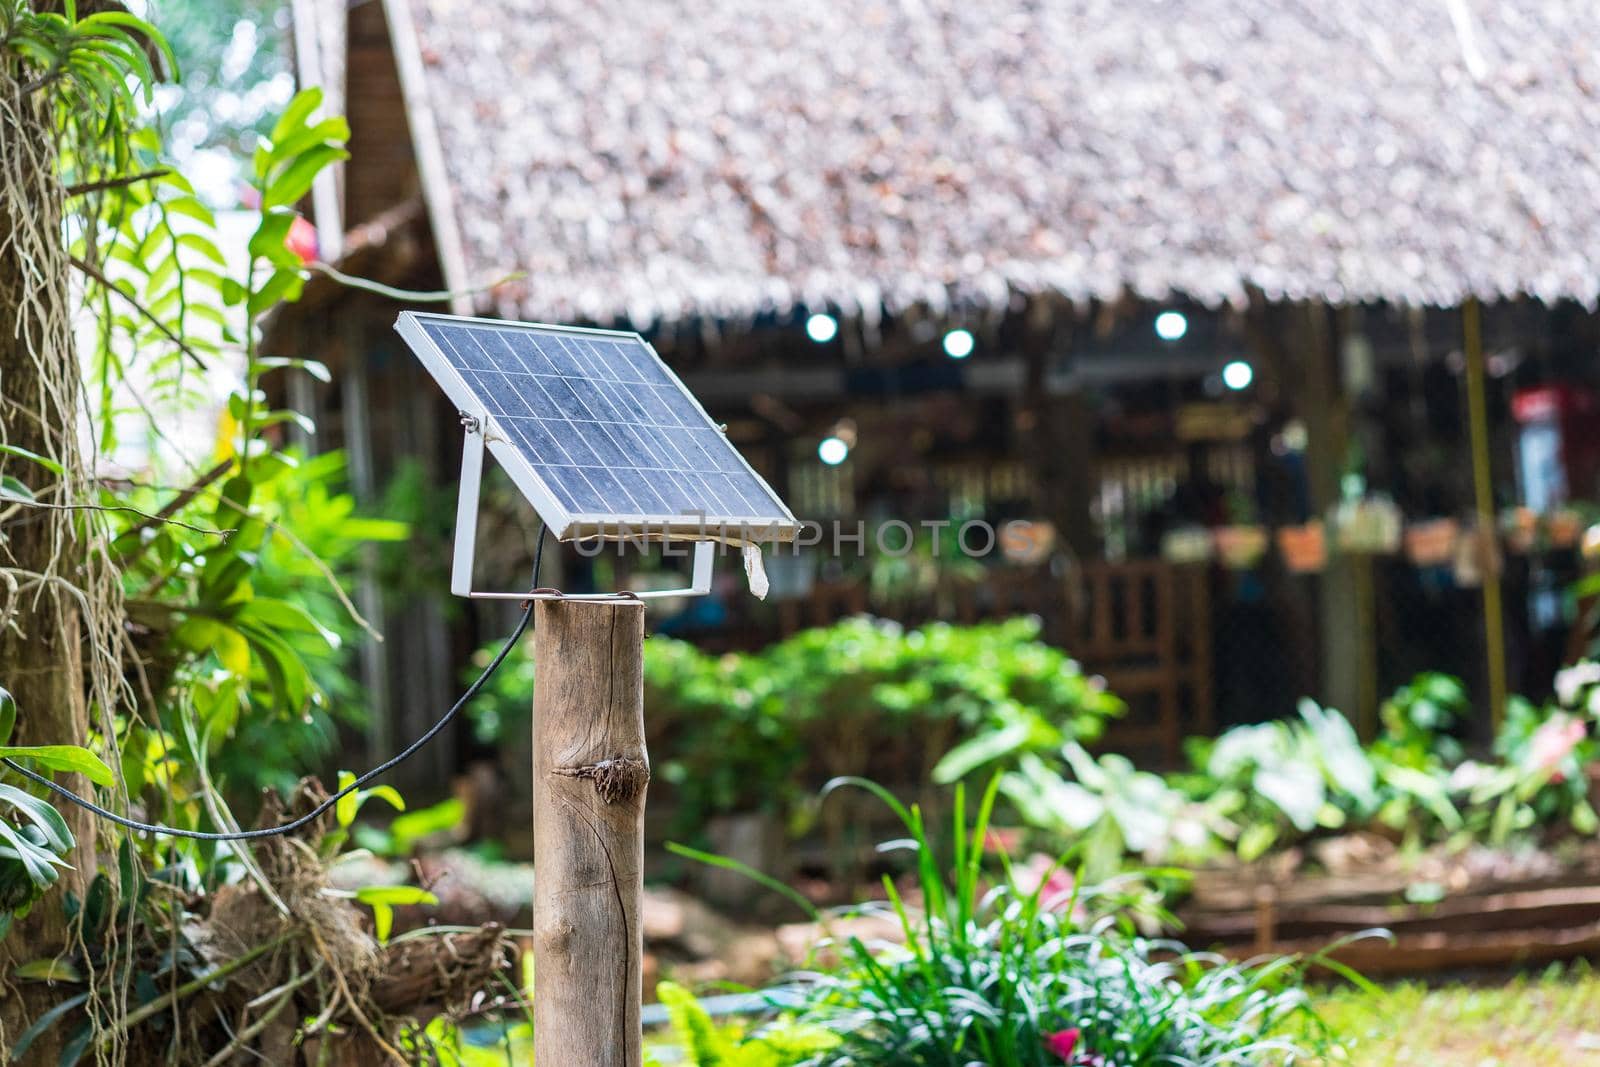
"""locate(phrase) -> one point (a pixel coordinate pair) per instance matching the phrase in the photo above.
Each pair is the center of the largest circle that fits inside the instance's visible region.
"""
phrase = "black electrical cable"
(320, 809)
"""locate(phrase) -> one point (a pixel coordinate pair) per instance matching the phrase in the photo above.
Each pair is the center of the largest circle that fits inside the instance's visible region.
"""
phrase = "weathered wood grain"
(590, 769)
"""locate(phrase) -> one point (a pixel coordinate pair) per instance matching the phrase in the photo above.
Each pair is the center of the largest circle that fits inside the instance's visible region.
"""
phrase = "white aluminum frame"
(482, 432)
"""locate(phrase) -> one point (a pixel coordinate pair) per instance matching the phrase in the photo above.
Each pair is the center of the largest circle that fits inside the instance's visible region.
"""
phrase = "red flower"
(1062, 1043)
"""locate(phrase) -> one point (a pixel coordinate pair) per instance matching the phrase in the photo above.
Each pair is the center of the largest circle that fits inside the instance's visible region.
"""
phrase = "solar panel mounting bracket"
(467, 536)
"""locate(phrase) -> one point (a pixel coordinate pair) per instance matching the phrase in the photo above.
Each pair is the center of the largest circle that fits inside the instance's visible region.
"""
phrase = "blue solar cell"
(602, 423)
(533, 361)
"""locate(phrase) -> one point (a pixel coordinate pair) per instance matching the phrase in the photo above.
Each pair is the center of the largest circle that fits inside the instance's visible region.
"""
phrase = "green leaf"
(217, 701)
(201, 634)
(984, 748)
(344, 810)
(296, 181)
(1294, 788)
(261, 160)
(294, 116)
(375, 529)
(203, 245)
(283, 615)
(145, 31)
(395, 894)
(8, 715)
(36, 861)
(235, 501)
(42, 814)
(388, 794)
(271, 233)
(316, 369)
(332, 131)
(69, 758)
(1431, 792)
(382, 921)
(728, 864)
(283, 287)
(413, 826)
(274, 418)
(693, 1027)
(1256, 839)
(383, 899)
(22, 453)
(53, 970)
(26, 1039)
(286, 670)
(13, 489)
(1584, 820)
(1341, 755)
(191, 207)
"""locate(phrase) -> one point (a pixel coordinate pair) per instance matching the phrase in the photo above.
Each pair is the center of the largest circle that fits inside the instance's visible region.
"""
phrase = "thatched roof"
(649, 158)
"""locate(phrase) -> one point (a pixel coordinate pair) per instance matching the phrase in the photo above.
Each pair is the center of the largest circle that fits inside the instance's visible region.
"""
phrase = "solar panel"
(597, 431)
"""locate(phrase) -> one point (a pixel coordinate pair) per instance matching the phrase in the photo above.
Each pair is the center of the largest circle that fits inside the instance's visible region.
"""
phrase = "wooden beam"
(437, 192)
(590, 770)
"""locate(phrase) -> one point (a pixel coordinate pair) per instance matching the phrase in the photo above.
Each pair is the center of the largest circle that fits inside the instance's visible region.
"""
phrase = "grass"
(1549, 1018)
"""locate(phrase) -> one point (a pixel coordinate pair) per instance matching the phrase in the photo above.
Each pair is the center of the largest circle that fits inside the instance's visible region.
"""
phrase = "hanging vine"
(138, 619)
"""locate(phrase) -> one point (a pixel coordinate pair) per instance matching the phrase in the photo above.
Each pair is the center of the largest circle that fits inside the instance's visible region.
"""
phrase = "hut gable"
(661, 159)
(381, 171)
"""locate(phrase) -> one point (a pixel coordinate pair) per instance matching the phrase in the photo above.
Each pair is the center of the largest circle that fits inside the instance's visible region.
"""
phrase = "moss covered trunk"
(43, 555)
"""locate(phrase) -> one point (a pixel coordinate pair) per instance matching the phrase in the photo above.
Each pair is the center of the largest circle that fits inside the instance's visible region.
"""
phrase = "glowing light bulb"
(958, 344)
(1171, 325)
(822, 328)
(1238, 375)
(832, 451)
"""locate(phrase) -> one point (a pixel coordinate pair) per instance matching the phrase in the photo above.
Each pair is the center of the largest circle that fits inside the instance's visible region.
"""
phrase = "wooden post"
(589, 775)
(1494, 639)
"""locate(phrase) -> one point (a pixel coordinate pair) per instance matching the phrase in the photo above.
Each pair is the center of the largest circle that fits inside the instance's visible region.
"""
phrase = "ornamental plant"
(1261, 787)
(988, 970)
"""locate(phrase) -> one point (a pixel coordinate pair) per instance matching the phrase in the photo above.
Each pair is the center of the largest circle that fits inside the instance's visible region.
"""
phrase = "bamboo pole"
(590, 770)
(1483, 493)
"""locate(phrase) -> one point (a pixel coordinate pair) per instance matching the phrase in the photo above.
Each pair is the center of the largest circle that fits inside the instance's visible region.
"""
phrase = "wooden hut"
(1302, 181)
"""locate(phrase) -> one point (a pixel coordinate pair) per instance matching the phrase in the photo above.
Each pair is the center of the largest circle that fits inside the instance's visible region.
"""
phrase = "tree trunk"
(589, 775)
(43, 554)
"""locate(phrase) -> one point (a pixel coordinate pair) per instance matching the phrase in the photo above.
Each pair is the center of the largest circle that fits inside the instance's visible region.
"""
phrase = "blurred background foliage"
(237, 62)
(762, 731)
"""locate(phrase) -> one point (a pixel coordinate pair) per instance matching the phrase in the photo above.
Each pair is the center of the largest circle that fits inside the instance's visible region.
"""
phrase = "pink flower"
(302, 239)
(1002, 839)
(1054, 883)
(1062, 1043)
(1553, 742)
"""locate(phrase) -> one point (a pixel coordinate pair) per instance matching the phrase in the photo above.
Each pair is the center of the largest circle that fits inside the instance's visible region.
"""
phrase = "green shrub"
(748, 732)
